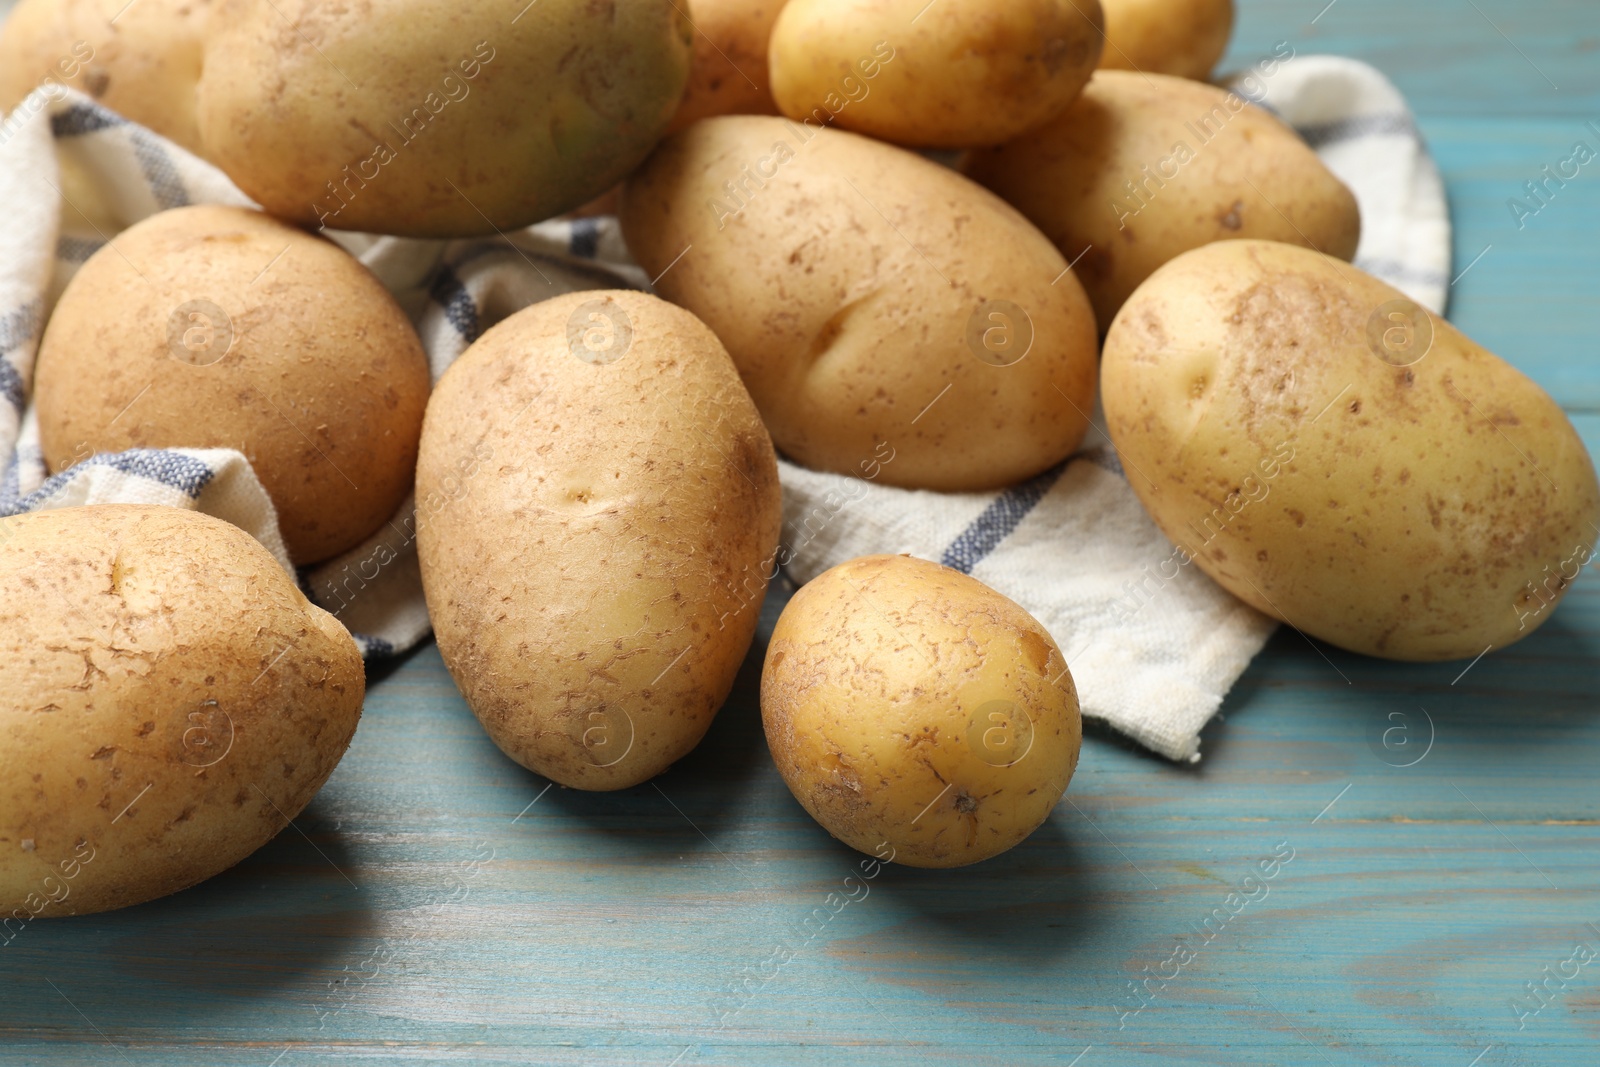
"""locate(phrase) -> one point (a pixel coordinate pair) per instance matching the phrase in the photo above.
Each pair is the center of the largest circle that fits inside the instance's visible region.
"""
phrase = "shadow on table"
(379, 670)
(1022, 911)
(1536, 693)
(286, 922)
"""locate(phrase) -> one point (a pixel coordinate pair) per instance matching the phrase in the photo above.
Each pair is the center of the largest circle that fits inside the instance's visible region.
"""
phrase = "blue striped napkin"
(1153, 646)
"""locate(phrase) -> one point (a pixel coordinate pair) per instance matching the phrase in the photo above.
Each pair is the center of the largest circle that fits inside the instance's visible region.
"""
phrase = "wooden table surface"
(437, 904)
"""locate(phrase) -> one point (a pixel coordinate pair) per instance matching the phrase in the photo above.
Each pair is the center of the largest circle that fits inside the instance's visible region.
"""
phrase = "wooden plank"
(1532, 295)
(1467, 58)
(1414, 908)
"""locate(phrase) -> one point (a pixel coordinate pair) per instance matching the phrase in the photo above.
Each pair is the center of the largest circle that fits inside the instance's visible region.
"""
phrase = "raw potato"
(730, 60)
(219, 327)
(600, 515)
(144, 67)
(430, 118)
(1184, 38)
(891, 319)
(916, 713)
(954, 74)
(168, 702)
(1142, 168)
(1287, 424)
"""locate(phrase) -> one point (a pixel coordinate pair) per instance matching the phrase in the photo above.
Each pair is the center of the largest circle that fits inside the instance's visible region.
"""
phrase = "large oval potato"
(595, 584)
(1184, 38)
(1342, 460)
(729, 76)
(951, 74)
(889, 317)
(1142, 168)
(916, 713)
(168, 702)
(219, 327)
(142, 60)
(434, 119)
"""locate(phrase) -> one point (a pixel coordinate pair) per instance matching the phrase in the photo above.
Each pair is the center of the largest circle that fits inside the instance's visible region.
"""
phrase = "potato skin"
(848, 288)
(145, 67)
(168, 701)
(879, 693)
(957, 74)
(1191, 183)
(596, 584)
(454, 121)
(322, 388)
(1184, 38)
(1371, 504)
(729, 76)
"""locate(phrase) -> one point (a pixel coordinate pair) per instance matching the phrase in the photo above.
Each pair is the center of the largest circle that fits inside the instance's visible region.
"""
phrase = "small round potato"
(168, 702)
(1184, 38)
(1341, 459)
(730, 60)
(952, 74)
(141, 60)
(219, 327)
(437, 118)
(1142, 168)
(599, 511)
(916, 713)
(892, 319)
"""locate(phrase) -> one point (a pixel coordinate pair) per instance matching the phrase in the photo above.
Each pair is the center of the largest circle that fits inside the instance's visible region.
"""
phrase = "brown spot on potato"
(1037, 648)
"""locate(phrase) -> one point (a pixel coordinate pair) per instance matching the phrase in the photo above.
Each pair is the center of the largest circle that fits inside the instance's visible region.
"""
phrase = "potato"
(1184, 38)
(891, 319)
(951, 74)
(916, 713)
(218, 327)
(729, 76)
(168, 701)
(434, 118)
(141, 60)
(1143, 168)
(1342, 460)
(599, 512)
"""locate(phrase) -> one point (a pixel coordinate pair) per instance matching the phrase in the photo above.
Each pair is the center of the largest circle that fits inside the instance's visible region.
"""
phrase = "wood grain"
(489, 920)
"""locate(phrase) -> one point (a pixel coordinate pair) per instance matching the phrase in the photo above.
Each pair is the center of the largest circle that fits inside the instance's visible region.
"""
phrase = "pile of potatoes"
(1114, 227)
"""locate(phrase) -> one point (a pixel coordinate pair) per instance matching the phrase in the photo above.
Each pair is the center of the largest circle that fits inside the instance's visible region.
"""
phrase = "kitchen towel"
(1154, 645)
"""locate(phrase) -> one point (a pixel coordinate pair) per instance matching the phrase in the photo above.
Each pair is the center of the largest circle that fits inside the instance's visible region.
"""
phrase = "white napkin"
(1072, 546)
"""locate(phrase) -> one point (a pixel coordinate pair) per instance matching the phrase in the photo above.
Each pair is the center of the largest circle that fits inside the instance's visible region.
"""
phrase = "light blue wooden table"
(436, 904)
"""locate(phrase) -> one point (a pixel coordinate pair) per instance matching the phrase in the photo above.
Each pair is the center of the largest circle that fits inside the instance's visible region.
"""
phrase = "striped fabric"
(1154, 646)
